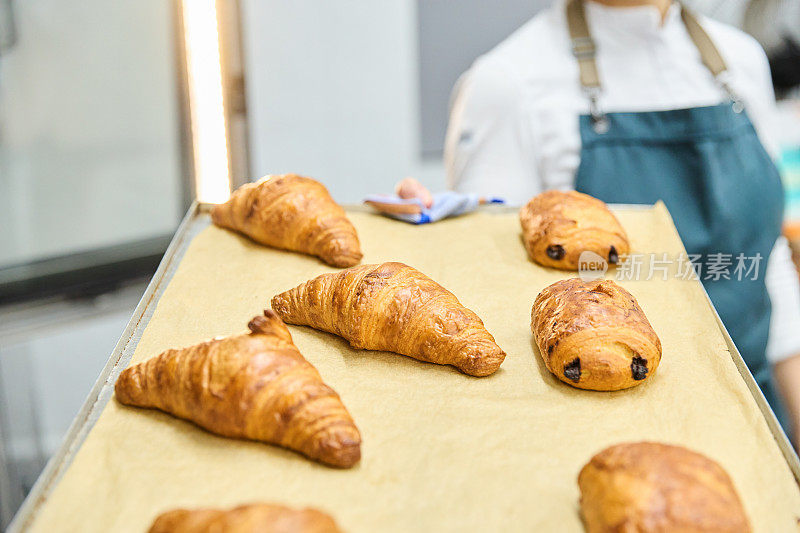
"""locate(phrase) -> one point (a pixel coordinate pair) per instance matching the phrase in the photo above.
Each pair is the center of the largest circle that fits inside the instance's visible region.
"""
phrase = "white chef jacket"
(513, 128)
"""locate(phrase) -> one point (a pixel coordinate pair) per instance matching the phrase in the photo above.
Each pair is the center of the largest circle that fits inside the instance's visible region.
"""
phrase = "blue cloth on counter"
(445, 204)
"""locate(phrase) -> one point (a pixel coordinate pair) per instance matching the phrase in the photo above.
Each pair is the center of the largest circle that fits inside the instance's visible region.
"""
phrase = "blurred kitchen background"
(106, 138)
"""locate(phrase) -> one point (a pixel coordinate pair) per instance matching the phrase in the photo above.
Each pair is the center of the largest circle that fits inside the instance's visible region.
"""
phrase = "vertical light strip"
(209, 138)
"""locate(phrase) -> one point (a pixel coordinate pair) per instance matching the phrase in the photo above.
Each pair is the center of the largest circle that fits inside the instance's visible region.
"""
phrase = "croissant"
(649, 487)
(395, 308)
(293, 213)
(593, 335)
(256, 518)
(253, 386)
(558, 226)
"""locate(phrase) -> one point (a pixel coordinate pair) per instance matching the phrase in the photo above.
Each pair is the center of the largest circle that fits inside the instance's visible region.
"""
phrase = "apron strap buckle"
(600, 122)
(583, 47)
(723, 79)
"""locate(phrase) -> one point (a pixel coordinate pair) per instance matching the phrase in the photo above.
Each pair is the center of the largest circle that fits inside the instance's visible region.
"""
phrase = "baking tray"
(191, 225)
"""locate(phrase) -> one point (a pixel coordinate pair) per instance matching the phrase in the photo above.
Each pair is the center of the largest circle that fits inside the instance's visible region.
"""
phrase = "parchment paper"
(441, 451)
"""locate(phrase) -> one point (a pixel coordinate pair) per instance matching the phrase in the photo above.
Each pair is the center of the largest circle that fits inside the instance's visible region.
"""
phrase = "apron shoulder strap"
(584, 50)
(583, 47)
(708, 52)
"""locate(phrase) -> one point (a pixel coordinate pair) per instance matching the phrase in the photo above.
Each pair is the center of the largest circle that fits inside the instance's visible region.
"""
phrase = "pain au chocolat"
(593, 335)
(650, 487)
(558, 226)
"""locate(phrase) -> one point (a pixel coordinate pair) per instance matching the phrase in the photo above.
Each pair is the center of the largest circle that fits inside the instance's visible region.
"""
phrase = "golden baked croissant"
(255, 518)
(649, 487)
(396, 308)
(558, 226)
(593, 335)
(255, 386)
(293, 213)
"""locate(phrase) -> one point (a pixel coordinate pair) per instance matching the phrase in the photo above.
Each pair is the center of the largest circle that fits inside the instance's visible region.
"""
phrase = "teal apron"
(712, 172)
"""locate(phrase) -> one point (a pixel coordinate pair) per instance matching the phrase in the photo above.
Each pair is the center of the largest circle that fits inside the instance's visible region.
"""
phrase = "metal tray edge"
(783, 442)
(95, 402)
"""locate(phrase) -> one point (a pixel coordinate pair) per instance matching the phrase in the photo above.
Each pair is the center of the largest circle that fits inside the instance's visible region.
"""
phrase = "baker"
(635, 101)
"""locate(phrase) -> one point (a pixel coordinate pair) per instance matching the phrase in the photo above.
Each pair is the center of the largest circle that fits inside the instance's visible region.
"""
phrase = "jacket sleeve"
(488, 148)
(783, 286)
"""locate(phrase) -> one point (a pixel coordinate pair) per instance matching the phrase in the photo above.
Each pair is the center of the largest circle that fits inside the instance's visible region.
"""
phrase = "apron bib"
(712, 172)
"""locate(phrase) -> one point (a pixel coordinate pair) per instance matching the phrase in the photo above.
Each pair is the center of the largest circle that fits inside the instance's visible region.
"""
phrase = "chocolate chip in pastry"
(651, 487)
(557, 226)
(593, 335)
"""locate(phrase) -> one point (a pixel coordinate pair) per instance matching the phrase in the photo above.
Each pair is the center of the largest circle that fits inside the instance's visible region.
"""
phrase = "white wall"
(333, 93)
(88, 127)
